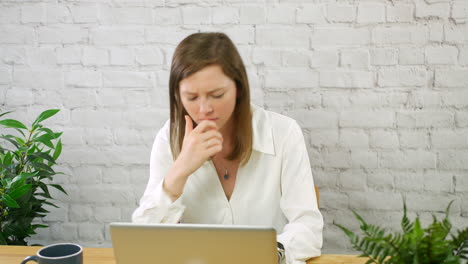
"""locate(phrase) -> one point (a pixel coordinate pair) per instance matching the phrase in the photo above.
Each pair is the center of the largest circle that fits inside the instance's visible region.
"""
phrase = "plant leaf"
(17, 193)
(44, 115)
(9, 201)
(12, 124)
(58, 150)
(58, 187)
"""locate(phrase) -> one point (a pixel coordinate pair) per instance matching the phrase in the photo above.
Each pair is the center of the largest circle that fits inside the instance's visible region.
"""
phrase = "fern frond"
(406, 224)
(460, 243)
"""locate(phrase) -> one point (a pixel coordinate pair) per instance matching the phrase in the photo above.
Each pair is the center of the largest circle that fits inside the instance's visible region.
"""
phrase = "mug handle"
(33, 258)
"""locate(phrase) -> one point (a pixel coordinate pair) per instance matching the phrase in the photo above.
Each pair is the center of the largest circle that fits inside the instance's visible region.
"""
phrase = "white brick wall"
(379, 88)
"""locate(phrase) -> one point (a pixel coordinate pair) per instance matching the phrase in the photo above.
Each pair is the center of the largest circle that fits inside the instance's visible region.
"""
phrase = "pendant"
(226, 175)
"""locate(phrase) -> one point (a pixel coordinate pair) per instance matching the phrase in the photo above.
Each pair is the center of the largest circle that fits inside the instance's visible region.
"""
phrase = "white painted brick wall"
(378, 87)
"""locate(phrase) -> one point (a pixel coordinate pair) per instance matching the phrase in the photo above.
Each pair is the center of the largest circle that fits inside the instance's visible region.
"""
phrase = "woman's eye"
(192, 98)
(218, 96)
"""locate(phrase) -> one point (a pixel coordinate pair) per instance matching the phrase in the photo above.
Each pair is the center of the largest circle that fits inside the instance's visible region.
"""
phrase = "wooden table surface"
(15, 254)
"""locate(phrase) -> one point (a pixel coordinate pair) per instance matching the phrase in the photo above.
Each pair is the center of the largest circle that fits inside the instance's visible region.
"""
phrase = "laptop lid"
(192, 244)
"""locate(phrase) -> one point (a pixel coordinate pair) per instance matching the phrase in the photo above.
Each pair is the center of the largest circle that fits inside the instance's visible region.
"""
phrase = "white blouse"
(275, 189)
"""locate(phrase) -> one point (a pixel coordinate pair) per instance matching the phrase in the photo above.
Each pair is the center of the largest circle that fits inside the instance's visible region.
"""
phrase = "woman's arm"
(302, 236)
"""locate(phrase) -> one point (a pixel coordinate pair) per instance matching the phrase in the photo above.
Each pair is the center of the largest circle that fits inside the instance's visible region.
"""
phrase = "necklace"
(226, 172)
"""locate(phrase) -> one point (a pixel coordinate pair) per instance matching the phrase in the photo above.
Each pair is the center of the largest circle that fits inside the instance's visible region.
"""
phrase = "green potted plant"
(416, 245)
(26, 173)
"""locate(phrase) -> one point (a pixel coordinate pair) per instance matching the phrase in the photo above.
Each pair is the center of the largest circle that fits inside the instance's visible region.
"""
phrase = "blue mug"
(64, 253)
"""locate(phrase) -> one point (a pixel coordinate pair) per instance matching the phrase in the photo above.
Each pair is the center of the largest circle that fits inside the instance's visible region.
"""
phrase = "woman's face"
(209, 95)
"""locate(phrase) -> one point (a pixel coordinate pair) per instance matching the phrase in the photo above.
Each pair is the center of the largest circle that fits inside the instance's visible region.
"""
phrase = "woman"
(221, 160)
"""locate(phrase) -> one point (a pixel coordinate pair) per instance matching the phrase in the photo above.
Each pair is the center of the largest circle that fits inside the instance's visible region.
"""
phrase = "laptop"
(192, 244)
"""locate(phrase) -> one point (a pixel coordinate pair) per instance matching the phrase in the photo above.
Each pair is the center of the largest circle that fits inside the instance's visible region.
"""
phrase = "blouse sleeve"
(156, 206)
(302, 236)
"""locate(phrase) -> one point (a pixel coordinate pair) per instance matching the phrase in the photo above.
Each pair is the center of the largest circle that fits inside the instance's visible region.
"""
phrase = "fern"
(415, 245)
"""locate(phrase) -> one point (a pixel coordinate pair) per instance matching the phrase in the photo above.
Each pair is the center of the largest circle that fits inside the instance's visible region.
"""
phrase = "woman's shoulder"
(163, 133)
(277, 121)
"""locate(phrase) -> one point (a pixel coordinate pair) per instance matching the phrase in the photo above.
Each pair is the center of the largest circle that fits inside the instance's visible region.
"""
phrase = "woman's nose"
(205, 106)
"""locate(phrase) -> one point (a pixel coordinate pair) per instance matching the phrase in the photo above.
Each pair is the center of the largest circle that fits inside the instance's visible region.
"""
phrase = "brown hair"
(193, 54)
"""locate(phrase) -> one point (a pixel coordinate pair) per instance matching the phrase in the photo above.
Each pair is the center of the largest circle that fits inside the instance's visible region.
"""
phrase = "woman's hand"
(198, 146)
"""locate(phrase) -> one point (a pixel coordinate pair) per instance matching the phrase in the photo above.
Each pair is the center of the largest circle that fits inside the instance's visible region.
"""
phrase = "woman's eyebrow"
(212, 91)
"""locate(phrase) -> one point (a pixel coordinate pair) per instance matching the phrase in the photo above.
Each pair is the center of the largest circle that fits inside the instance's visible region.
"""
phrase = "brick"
(56, 214)
(409, 181)
(463, 58)
(193, 15)
(241, 35)
(98, 137)
(354, 180)
(450, 139)
(347, 79)
(380, 180)
(91, 231)
(46, 98)
(95, 56)
(400, 13)
(73, 98)
(314, 118)
(424, 99)
(403, 77)
(119, 175)
(306, 99)
(367, 118)
(408, 159)
(428, 202)
(122, 57)
(127, 136)
(310, 14)
(137, 98)
(80, 213)
(438, 10)
(437, 182)
(86, 79)
(125, 15)
(436, 32)
(41, 57)
(69, 55)
(86, 174)
(252, 14)
(441, 55)
(457, 99)
(266, 56)
(286, 79)
(64, 231)
(225, 15)
(282, 36)
(451, 78)
(414, 35)
(340, 159)
(324, 59)
(10, 15)
(62, 34)
(461, 182)
(110, 97)
(85, 13)
(364, 159)
(19, 97)
(323, 137)
(5, 76)
(385, 139)
(353, 139)
(340, 36)
(371, 13)
(33, 13)
(127, 79)
(453, 159)
(107, 214)
(280, 14)
(94, 118)
(383, 56)
(167, 16)
(411, 56)
(425, 119)
(341, 13)
(149, 56)
(375, 200)
(456, 34)
(117, 36)
(355, 59)
(295, 58)
(166, 35)
(333, 200)
(16, 35)
(462, 119)
(459, 12)
(337, 100)
(13, 55)
(58, 13)
(38, 79)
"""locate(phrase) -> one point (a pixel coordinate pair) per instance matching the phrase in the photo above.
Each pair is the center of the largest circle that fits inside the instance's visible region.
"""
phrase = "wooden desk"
(15, 254)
